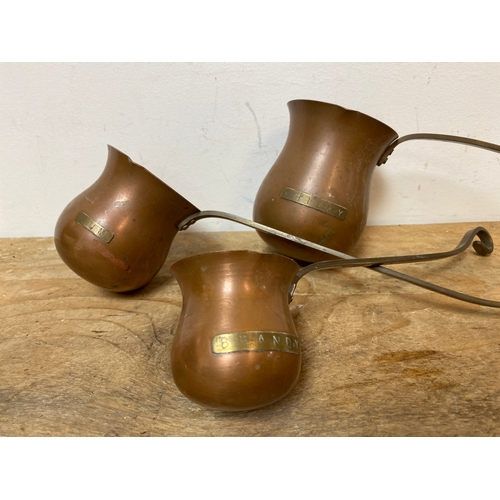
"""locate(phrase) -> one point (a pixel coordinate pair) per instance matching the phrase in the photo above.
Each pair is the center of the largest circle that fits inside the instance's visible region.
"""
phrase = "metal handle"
(438, 137)
(483, 247)
(191, 219)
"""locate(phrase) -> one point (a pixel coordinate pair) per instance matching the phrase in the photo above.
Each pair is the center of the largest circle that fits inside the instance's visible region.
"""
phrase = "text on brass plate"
(96, 229)
(255, 341)
(309, 200)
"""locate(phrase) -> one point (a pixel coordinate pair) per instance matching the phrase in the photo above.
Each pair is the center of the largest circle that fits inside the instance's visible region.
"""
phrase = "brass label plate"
(255, 341)
(96, 229)
(309, 200)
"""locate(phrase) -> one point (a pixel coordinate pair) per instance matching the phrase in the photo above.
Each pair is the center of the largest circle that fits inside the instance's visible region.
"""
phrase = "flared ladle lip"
(489, 146)
(112, 149)
(344, 109)
(222, 253)
(147, 172)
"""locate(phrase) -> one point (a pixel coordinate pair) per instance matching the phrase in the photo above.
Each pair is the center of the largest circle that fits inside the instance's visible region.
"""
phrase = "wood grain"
(380, 357)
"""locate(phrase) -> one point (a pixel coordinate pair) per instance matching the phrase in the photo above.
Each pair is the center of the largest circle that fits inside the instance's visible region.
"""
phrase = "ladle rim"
(255, 253)
(343, 108)
(148, 173)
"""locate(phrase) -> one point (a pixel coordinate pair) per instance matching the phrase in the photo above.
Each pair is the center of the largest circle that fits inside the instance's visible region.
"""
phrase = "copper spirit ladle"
(236, 347)
(319, 186)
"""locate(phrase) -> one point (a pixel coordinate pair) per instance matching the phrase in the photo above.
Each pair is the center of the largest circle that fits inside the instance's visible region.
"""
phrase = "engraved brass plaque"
(309, 200)
(255, 341)
(96, 229)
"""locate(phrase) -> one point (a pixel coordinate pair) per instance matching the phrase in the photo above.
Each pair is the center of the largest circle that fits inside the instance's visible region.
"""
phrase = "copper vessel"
(235, 347)
(318, 188)
(117, 233)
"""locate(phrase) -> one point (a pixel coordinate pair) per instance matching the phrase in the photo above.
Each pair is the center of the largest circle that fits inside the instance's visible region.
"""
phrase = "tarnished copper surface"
(318, 188)
(117, 233)
(235, 346)
(226, 293)
(328, 158)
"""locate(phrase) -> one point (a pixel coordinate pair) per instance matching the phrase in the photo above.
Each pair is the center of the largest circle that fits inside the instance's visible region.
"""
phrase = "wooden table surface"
(380, 357)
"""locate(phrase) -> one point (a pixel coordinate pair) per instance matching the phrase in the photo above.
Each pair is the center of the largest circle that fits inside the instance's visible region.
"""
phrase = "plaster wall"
(212, 131)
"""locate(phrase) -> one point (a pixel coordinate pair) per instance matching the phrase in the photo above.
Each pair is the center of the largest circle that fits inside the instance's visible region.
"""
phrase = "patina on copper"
(117, 233)
(235, 347)
(319, 186)
(238, 296)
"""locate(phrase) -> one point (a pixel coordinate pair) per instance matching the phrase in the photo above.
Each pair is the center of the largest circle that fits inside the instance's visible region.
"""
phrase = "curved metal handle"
(438, 137)
(191, 219)
(438, 289)
(483, 247)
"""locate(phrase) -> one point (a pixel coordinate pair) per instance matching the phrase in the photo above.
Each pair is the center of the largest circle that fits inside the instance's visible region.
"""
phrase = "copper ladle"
(319, 186)
(236, 347)
(117, 233)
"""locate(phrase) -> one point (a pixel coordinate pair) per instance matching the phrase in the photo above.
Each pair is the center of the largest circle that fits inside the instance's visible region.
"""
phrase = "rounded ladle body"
(319, 186)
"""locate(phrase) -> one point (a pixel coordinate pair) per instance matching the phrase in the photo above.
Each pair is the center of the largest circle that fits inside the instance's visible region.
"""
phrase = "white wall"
(212, 130)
